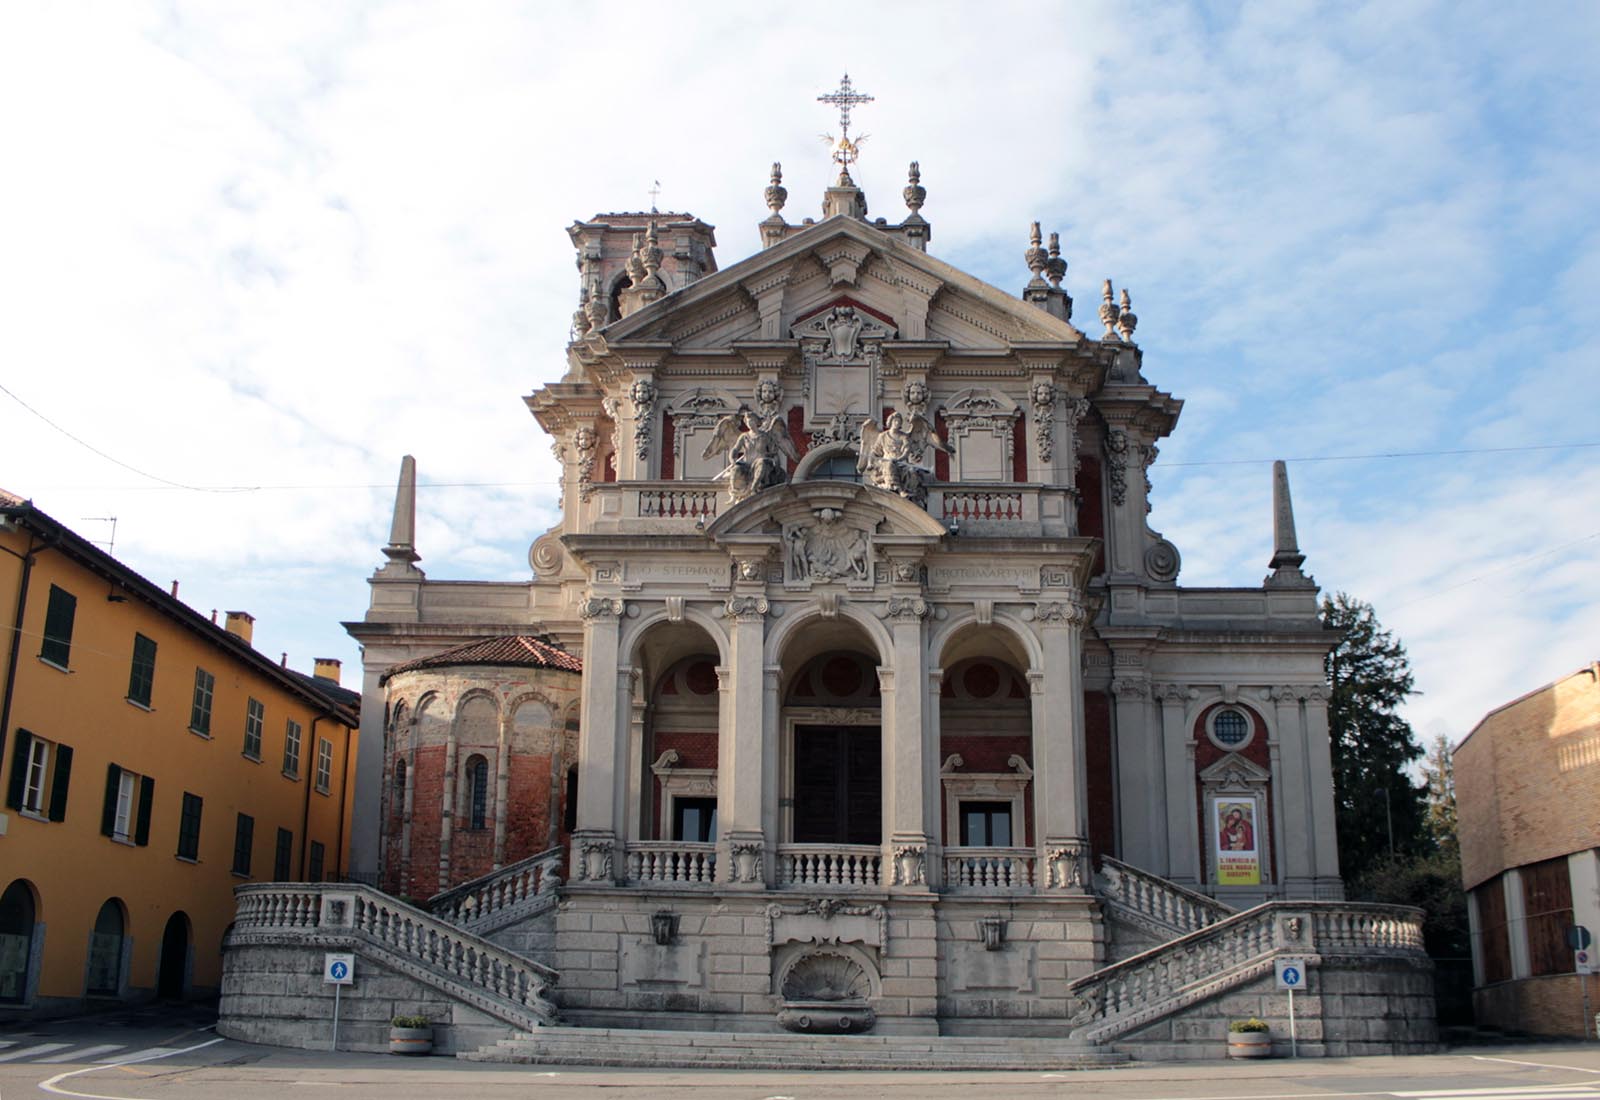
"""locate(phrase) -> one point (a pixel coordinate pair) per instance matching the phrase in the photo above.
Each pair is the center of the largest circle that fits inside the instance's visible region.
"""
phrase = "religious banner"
(1234, 818)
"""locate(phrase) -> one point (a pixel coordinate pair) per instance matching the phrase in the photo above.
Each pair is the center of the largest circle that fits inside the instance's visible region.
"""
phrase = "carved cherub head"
(1044, 393)
(916, 393)
(642, 392)
(768, 392)
(584, 438)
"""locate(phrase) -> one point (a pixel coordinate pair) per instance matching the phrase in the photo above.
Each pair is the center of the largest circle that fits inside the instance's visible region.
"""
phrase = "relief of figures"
(829, 550)
(757, 449)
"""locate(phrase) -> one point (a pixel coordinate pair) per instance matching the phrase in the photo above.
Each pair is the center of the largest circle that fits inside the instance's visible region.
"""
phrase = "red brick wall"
(941, 460)
(527, 806)
(695, 750)
(798, 434)
(1097, 766)
(1551, 1005)
(427, 813)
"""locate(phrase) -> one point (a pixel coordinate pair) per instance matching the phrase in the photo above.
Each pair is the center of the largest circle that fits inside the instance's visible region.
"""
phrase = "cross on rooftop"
(655, 193)
(844, 97)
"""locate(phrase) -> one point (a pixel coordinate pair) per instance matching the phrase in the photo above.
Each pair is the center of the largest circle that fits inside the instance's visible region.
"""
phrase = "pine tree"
(1440, 774)
(1378, 808)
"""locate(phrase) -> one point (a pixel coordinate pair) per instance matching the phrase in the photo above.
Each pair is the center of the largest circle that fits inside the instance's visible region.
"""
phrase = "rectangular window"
(189, 827)
(324, 764)
(281, 856)
(317, 856)
(986, 824)
(142, 678)
(244, 835)
(255, 721)
(41, 772)
(205, 686)
(1547, 901)
(291, 749)
(122, 815)
(58, 616)
(694, 819)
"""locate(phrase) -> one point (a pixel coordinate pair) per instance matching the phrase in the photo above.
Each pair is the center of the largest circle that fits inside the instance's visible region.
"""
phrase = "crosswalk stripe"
(1524, 1092)
(139, 1055)
(83, 1055)
(29, 1052)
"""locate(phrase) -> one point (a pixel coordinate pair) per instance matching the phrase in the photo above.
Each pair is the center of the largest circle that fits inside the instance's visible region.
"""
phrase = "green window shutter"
(19, 769)
(58, 616)
(58, 788)
(108, 812)
(147, 798)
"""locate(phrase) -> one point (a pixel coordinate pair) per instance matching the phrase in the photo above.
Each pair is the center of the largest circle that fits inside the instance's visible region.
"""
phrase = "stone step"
(750, 1050)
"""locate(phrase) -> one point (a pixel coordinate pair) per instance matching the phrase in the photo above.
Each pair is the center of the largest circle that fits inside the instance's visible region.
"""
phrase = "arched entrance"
(18, 914)
(833, 713)
(172, 979)
(105, 951)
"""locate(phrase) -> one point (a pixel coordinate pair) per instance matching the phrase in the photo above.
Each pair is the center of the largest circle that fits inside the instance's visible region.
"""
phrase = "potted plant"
(410, 1035)
(1250, 1038)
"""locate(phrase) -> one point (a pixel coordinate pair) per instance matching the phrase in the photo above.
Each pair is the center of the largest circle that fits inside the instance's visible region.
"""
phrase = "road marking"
(1532, 1092)
(1541, 1065)
(29, 1052)
(85, 1054)
(143, 1056)
(139, 1055)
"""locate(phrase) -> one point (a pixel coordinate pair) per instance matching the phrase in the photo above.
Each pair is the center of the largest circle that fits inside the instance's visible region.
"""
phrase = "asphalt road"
(172, 1054)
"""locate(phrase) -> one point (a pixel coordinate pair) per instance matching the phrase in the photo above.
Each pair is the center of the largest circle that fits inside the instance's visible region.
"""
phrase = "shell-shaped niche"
(825, 976)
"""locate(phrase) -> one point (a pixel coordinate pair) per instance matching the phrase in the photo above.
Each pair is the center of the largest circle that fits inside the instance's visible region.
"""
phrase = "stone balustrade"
(989, 870)
(812, 865)
(1129, 994)
(671, 862)
(674, 500)
(1165, 903)
(400, 937)
(514, 892)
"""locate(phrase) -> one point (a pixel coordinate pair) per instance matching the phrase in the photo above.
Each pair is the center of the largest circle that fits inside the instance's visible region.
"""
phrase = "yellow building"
(152, 761)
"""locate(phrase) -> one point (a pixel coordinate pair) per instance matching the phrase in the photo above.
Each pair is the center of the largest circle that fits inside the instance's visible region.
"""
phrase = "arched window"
(16, 941)
(569, 819)
(105, 951)
(477, 791)
(399, 787)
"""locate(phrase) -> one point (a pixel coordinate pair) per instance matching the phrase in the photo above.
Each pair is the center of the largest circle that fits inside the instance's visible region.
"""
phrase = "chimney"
(241, 624)
(326, 668)
(174, 589)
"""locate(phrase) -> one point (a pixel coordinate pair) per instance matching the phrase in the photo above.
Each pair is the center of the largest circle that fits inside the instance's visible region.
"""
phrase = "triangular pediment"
(763, 297)
(862, 507)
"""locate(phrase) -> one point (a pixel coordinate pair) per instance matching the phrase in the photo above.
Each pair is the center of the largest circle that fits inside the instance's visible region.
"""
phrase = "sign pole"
(337, 988)
(1294, 1042)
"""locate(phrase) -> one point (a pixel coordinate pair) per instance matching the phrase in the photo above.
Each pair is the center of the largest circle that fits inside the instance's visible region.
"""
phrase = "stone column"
(1517, 924)
(502, 789)
(1292, 782)
(1141, 777)
(772, 763)
(603, 730)
(1060, 791)
(741, 747)
(447, 801)
(631, 772)
(1183, 846)
(906, 861)
(1319, 766)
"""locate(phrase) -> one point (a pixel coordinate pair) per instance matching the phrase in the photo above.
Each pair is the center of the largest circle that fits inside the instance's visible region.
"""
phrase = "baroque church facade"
(854, 673)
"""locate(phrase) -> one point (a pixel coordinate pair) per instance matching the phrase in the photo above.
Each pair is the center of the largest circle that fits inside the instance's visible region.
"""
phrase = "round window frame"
(1249, 723)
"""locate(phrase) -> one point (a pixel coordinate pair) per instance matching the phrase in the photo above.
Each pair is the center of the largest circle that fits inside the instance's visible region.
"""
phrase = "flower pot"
(411, 1040)
(1249, 1044)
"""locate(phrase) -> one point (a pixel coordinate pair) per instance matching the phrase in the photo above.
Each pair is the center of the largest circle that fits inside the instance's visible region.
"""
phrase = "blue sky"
(279, 246)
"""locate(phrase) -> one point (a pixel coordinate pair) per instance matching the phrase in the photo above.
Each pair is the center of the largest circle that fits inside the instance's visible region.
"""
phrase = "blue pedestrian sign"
(338, 969)
(1291, 974)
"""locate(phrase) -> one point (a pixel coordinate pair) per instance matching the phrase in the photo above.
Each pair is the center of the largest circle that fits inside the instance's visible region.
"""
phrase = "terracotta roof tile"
(515, 649)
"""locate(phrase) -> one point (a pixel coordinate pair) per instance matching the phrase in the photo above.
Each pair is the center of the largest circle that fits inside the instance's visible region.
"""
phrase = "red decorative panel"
(609, 470)
(669, 457)
(1097, 768)
(797, 433)
(1091, 508)
(941, 460)
(1019, 452)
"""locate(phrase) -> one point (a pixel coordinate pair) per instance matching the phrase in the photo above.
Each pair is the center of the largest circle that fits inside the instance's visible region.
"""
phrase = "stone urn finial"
(1127, 320)
(1055, 267)
(777, 194)
(1108, 312)
(1036, 257)
(915, 193)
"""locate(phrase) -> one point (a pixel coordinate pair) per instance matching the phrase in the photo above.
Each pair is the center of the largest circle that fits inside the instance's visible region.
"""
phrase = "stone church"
(854, 688)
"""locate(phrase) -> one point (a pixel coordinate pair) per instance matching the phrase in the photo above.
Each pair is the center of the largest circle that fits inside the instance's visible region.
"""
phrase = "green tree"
(1378, 808)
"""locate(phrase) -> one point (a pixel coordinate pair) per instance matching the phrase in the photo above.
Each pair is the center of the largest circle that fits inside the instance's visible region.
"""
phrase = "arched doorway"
(18, 914)
(105, 951)
(172, 979)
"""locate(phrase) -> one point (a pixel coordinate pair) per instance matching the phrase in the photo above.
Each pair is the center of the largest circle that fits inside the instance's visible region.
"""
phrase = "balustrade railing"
(495, 980)
(989, 869)
(1162, 901)
(830, 865)
(981, 506)
(673, 862)
(677, 503)
(1131, 993)
(515, 890)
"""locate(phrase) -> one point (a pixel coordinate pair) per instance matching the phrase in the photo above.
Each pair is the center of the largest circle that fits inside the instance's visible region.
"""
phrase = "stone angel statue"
(896, 458)
(756, 450)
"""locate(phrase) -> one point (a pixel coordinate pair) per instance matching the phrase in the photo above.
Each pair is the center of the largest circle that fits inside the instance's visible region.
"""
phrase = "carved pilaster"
(1043, 396)
(642, 396)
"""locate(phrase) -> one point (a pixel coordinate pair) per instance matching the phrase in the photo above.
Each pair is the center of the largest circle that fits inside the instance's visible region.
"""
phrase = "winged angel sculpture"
(756, 448)
(896, 458)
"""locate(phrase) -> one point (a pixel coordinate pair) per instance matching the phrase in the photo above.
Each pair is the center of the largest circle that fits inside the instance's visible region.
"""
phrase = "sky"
(252, 254)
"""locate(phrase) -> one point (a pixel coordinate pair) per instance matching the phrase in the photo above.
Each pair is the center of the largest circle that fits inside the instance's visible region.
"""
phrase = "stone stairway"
(566, 1046)
(516, 892)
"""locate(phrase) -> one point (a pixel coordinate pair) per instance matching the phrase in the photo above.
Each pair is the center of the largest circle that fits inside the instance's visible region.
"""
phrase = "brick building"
(1528, 804)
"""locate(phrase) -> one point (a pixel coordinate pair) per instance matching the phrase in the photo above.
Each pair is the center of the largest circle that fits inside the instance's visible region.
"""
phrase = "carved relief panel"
(981, 424)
